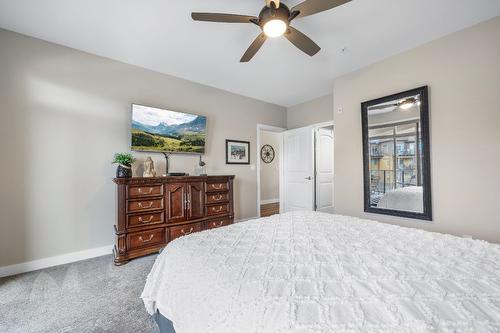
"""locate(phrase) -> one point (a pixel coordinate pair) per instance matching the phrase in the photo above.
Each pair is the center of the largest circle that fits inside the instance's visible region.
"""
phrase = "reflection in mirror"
(395, 155)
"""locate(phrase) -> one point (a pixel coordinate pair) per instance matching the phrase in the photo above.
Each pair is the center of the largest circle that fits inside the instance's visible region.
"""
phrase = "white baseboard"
(55, 261)
(269, 201)
(329, 210)
(245, 219)
(67, 258)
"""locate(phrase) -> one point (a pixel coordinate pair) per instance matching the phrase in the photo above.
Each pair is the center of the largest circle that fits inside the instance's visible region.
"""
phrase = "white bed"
(409, 199)
(313, 272)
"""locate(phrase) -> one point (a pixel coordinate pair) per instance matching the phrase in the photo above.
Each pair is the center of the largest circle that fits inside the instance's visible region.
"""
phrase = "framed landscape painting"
(237, 152)
(165, 131)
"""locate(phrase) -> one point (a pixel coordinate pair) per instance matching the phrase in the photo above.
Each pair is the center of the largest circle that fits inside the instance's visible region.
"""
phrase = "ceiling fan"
(404, 104)
(274, 21)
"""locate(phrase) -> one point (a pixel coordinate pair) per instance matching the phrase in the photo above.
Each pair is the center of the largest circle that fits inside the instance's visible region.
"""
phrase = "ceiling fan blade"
(224, 18)
(304, 43)
(381, 107)
(252, 50)
(310, 7)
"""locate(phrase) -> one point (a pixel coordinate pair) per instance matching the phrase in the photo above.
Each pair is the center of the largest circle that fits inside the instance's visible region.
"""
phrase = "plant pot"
(123, 171)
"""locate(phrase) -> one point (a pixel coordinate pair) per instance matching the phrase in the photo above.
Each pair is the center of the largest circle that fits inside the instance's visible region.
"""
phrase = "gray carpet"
(87, 296)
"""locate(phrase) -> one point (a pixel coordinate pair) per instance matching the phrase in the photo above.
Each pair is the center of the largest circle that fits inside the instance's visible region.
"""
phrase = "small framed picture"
(237, 152)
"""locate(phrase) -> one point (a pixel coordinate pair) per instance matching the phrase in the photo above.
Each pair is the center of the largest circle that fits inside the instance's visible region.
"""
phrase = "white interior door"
(324, 169)
(298, 170)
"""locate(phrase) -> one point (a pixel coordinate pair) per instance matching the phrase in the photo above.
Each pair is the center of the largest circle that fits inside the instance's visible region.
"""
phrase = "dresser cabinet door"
(196, 196)
(176, 202)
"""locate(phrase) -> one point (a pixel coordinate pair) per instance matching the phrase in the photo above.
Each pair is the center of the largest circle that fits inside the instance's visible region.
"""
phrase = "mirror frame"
(426, 160)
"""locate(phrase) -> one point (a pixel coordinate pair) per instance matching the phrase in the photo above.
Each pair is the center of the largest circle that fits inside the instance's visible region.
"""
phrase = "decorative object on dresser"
(154, 211)
(201, 168)
(149, 168)
(237, 152)
(267, 153)
(167, 165)
(124, 161)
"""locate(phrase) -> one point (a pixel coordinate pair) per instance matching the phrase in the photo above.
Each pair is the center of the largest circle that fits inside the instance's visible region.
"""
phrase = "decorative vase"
(123, 171)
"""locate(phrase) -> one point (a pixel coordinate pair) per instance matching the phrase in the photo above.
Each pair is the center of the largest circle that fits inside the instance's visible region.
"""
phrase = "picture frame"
(237, 152)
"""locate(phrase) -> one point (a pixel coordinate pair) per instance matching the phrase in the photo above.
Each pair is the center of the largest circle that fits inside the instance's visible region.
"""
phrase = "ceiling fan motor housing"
(270, 13)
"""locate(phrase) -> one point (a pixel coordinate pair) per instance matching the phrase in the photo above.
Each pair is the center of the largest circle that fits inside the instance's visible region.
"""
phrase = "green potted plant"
(124, 161)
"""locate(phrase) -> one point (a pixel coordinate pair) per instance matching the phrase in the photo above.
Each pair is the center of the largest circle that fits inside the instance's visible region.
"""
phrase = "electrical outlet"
(340, 110)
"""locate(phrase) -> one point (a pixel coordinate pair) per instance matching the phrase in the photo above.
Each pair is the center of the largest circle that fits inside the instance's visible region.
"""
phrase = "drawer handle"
(218, 209)
(150, 205)
(217, 197)
(214, 224)
(187, 232)
(147, 240)
(144, 221)
(217, 187)
(149, 192)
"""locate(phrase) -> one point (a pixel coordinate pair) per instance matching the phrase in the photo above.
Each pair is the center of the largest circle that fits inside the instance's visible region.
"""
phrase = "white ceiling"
(160, 35)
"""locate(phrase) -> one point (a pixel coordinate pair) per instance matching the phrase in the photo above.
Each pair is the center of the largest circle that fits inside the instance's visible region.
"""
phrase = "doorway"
(308, 170)
(269, 169)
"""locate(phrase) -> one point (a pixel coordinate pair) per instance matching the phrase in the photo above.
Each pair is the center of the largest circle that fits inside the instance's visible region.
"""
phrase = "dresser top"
(169, 179)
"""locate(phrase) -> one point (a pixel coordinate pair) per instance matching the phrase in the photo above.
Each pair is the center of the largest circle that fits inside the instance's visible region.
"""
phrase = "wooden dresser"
(154, 211)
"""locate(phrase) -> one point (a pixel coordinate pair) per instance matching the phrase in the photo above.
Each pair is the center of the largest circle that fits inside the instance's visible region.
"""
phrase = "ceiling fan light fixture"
(408, 103)
(274, 21)
(275, 28)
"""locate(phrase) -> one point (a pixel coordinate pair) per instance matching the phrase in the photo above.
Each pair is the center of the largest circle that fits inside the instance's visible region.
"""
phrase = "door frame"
(313, 128)
(274, 129)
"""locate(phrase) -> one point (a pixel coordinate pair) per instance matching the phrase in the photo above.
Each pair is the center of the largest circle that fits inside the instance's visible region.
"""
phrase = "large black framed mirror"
(396, 155)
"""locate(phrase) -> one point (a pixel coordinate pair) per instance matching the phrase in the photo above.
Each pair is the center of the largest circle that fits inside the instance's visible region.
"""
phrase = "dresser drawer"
(145, 219)
(217, 197)
(217, 187)
(144, 205)
(144, 191)
(183, 230)
(218, 223)
(139, 240)
(217, 209)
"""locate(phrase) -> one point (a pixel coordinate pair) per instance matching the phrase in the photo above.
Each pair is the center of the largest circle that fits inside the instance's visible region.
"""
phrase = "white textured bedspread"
(409, 198)
(312, 272)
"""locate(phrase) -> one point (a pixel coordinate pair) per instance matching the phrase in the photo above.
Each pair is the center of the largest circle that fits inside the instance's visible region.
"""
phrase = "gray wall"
(270, 172)
(63, 115)
(312, 112)
(463, 73)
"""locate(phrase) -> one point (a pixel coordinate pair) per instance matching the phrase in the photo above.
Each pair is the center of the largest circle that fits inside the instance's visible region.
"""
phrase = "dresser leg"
(119, 260)
(121, 263)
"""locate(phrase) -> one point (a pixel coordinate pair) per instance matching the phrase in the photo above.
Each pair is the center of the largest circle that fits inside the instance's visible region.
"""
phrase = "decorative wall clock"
(267, 153)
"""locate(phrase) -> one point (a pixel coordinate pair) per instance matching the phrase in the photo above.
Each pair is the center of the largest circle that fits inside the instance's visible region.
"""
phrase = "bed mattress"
(314, 272)
(410, 199)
